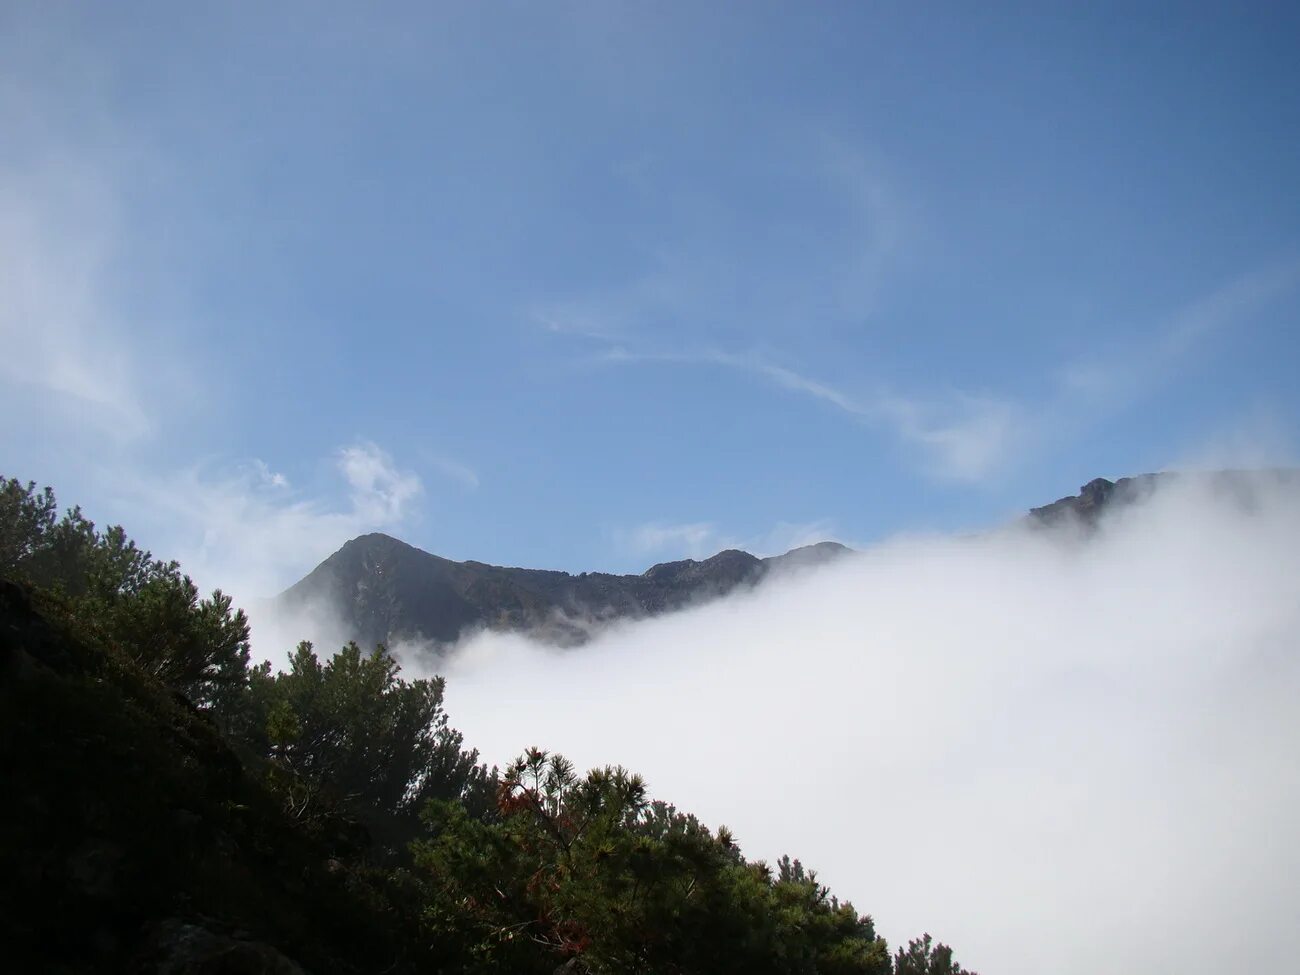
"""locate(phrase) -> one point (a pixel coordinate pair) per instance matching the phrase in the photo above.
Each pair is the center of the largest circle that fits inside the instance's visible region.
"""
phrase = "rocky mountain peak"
(384, 590)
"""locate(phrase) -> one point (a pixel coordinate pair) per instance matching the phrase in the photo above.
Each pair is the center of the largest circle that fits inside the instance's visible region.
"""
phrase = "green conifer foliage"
(351, 732)
(585, 871)
(293, 804)
(144, 606)
(923, 957)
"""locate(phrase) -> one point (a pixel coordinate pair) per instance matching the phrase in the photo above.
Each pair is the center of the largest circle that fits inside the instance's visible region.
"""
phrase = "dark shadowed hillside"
(173, 811)
(377, 589)
(138, 837)
(382, 590)
(1100, 497)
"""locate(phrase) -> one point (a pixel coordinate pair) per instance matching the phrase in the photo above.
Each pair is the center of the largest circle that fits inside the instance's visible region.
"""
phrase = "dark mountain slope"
(1100, 497)
(1095, 498)
(137, 838)
(377, 589)
(382, 590)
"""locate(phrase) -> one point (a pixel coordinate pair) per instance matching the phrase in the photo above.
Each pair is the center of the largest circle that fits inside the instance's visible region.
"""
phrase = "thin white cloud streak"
(787, 535)
(1254, 440)
(1231, 304)
(962, 438)
(1126, 375)
(695, 276)
(884, 218)
(462, 474)
(90, 340)
(573, 319)
(691, 539)
(700, 539)
(789, 379)
(1056, 758)
(58, 224)
(970, 437)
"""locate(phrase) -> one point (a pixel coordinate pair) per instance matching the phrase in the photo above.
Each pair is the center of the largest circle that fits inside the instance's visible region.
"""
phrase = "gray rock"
(177, 947)
(383, 590)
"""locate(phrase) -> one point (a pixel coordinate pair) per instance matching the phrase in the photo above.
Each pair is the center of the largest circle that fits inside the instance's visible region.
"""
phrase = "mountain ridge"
(385, 590)
(380, 589)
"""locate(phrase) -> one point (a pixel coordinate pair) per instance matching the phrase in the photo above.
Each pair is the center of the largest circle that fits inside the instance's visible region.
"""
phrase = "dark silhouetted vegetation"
(172, 809)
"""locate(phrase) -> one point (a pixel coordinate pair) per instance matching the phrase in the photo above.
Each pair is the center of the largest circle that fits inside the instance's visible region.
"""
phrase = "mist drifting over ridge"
(1062, 753)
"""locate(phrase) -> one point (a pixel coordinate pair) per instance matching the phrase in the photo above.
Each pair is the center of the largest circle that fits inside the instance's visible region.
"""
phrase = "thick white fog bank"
(275, 632)
(1055, 757)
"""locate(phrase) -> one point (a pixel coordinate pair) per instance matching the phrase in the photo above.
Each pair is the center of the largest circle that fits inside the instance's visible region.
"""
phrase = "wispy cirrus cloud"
(827, 233)
(962, 437)
(63, 341)
(698, 286)
(701, 539)
(85, 292)
(969, 436)
(464, 475)
(965, 436)
(884, 220)
(1122, 374)
(578, 321)
(689, 539)
(246, 529)
(90, 360)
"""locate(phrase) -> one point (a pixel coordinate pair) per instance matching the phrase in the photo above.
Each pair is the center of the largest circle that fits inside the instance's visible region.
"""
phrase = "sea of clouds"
(1057, 753)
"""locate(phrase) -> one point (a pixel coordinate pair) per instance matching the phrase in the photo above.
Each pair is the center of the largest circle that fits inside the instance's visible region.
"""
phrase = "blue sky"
(592, 286)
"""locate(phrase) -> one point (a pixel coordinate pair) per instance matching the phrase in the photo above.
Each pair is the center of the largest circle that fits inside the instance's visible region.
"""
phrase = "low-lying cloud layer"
(249, 529)
(1057, 756)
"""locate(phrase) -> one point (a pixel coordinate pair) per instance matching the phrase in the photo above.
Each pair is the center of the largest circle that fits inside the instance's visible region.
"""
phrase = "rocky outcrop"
(1094, 499)
(179, 947)
(377, 589)
(1100, 497)
(382, 590)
